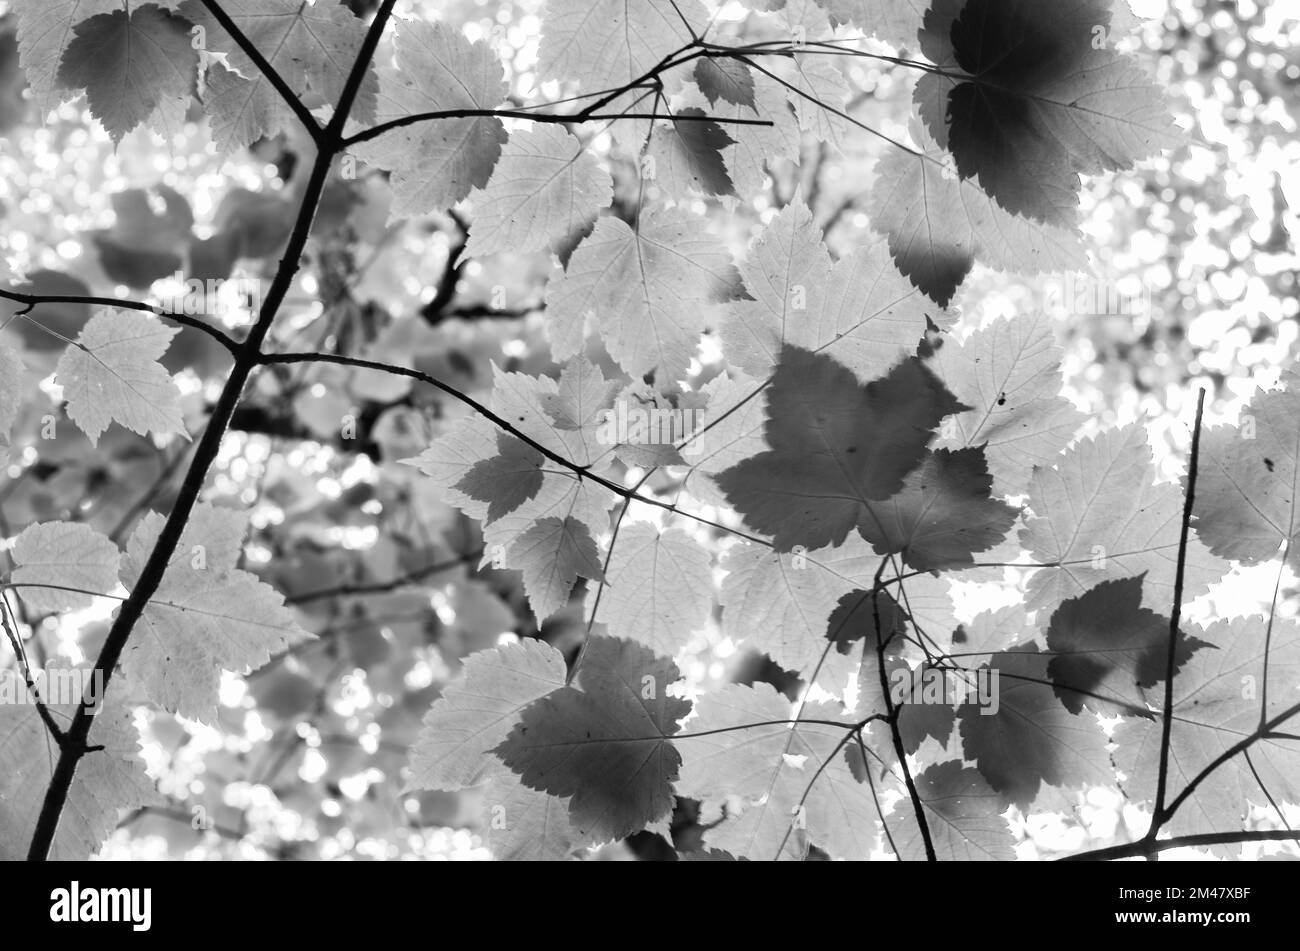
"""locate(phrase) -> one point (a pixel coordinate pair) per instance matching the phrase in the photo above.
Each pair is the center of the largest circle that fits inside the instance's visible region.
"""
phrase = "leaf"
(1106, 643)
(553, 554)
(525, 825)
(605, 44)
(112, 374)
(546, 186)
(505, 481)
(859, 310)
(660, 588)
(837, 446)
(650, 289)
(11, 394)
(604, 742)
(1009, 374)
(312, 47)
(943, 515)
(1031, 740)
(1220, 699)
(1097, 517)
(66, 554)
(687, 155)
(758, 148)
(963, 814)
(206, 616)
(106, 782)
(45, 28)
(896, 22)
(725, 79)
(781, 604)
(733, 429)
(1027, 102)
(472, 440)
(938, 224)
(129, 65)
(437, 164)
(1247, 482)
(578, 409)
(769, 767)
(478, 710)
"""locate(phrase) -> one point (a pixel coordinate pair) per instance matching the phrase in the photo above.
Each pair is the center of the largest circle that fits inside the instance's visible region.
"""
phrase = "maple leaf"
(728, 80)
(1247, 482)
(526, 825)
(11, 394)
(782, 604)
(111, 373)
(45, 28)
(1098, 516)
(1108, 649)
(963, 814)
(107, 780)
(478, 710)
(1222, 697)
(605, 44)
(604, 742)
(546, 186)
(312, 46)
(918, 716)
(896, 22)
(659, 587)
(129, 64)
(859, 310)
(1009, 374)
(473, 440)
(1032, 740)
(583, 396)
(770, 768)
(436, 164)
(938, 224)
(687, 155)
(837, 446)
(943, 514)
(757, 148)
(736, 413)
(1026, 101)
(65, 554)
(505, 481)
(206, 616)
(552, 555)
(650, 289)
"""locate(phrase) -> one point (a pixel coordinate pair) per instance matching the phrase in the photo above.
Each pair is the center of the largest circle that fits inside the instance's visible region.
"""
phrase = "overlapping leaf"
(837, 446)
(858, 310)
(436, 164)
(604, 742)
(651, 290)
(206, 616)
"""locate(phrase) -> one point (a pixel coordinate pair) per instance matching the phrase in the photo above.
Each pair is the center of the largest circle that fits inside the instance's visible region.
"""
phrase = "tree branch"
(30, 301)
(272, 76)
(1158, 817)
(247, 358)
(918, 807)
(1148, 847)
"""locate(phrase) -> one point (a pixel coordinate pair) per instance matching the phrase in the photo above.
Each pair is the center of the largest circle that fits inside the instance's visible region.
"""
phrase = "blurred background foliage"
(306, 761)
